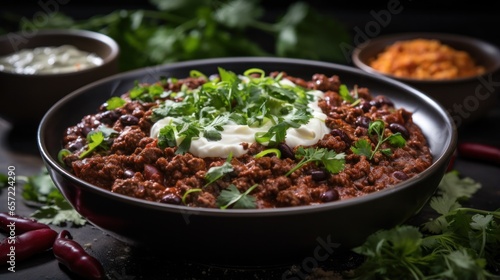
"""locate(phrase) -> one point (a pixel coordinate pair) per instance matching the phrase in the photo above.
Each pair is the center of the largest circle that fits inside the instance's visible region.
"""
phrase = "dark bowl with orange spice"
(458, 71)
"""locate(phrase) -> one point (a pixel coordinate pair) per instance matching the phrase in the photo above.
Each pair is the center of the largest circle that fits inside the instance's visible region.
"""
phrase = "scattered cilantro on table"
(3, 181)
(460, 243)
(52, 207)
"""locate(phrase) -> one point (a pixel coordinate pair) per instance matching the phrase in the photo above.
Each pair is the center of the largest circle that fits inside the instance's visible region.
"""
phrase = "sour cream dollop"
(234, 135)
(49, 60)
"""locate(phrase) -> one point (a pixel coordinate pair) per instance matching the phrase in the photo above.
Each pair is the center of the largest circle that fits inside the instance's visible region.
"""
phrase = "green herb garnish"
(232, 196)
(54, 209)
(376, 133)
(345, 94)
(115, 102)
(458, 244)
(332, 161)
(215, 173)
(96, 138)
(189, 192)
(237, 100)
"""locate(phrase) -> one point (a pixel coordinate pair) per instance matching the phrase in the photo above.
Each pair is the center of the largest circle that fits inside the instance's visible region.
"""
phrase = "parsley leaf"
(232, 196)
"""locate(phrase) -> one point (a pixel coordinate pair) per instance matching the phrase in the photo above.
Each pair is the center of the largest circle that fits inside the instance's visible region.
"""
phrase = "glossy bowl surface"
(250, 236)
(466, 99)
(26, 98)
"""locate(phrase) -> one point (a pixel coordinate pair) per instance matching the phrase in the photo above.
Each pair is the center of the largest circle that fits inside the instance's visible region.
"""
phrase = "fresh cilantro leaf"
(376, 132)
(55, 209)
(166, 137)
(362, 147)
(232, 197)
(94, 138)
(4, 182)
(333, 162)
(461, 243)
(59, 214)
(115, 102)
(213, 129)
(345, 94)
(238, 13)
(146, 92)
(456, 187)
(215, 173)
(187, 133)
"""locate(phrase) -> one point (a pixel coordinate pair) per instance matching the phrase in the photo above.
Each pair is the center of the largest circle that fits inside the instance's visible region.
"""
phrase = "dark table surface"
(121, 261)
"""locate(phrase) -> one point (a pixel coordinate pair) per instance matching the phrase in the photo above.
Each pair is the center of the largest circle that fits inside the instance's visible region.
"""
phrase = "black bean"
(76, 145)
(319, 175)
(286, 151)
(396, 127)
(400, 175)
(86, 130)
(365, 106)
(340, 133)
(108, 117)
(128, 173)
(129, 120)
(363, 121)
(171, 199)
(380, 101)
(330, 195)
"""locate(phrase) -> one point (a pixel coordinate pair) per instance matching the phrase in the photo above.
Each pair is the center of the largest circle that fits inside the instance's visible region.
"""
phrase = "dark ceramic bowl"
(27, 97)
(466, 99)
(250, 236)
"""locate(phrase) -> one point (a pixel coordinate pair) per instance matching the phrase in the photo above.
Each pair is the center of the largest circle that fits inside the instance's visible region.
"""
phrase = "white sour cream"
(49, 60)
(234, 135)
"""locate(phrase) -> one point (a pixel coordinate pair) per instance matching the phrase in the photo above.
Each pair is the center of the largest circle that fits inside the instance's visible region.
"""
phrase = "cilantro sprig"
(232, 197)
(253, 100)
(461, 243)
(96, 138)
(332, 161)
(376, 133)
(217, 172)
(52, 207)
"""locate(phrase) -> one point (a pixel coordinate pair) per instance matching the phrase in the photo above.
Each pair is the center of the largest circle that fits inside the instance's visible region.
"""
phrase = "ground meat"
(134, 164)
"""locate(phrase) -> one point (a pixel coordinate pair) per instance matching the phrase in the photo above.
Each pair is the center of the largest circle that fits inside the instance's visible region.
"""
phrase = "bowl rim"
(391, 38)
(61, 33)
(61, 171)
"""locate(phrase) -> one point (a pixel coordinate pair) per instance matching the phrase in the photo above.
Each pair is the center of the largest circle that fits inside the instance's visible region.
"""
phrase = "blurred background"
(162, 31)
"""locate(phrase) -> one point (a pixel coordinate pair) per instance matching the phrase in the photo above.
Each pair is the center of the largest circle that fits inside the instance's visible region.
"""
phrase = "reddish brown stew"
(134, 164)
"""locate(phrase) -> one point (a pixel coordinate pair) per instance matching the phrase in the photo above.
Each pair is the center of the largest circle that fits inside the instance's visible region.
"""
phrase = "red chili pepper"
(19, 224)
(479, 151)
(23, 246)
(72, 255)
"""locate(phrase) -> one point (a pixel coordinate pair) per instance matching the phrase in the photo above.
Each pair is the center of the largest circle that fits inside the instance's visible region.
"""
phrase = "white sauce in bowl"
(49, 60)
(233, 135)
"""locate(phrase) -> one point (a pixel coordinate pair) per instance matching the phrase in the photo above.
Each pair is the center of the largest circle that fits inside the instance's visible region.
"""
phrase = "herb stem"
(264, 26)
